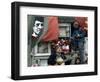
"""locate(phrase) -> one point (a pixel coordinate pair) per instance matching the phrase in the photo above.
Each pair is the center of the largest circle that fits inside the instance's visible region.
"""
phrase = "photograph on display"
(57, 40)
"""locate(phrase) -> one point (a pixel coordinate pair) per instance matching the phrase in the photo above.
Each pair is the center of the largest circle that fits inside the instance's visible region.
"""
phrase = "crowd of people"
(63, 54)
(69, 51)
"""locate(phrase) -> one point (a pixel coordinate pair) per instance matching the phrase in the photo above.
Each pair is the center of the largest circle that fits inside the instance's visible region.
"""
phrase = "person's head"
(58, 49)
(65, 52)
(77, 61)
(76, 24)
(38, 24)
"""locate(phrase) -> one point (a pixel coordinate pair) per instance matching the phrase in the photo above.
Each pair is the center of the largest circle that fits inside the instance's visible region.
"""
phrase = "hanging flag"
(53, 29)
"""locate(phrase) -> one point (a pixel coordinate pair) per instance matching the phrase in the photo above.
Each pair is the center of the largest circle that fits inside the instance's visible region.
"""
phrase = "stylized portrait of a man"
(38, 26)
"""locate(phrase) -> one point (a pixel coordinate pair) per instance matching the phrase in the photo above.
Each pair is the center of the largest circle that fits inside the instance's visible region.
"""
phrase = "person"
(66, 46)
(78, 38)
(77, 60)
(67, 58)
(52, 59)
(59, 56)
(38, 26)
(56, 58)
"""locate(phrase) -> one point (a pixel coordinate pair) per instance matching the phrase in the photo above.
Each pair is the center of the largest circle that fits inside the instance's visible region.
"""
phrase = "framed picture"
(53, 40)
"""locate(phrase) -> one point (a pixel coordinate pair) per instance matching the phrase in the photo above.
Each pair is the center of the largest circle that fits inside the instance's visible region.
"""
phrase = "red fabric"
(53, 29)
(82, 21)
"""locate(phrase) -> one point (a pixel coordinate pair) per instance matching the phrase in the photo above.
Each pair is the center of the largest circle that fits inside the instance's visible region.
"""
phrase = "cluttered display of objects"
(69, 49)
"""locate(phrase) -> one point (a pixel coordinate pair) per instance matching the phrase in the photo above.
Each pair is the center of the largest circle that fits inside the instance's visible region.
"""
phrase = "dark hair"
(52, 59)
(77, 22)
(76, 60)
(39, 18)
(72, 26)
